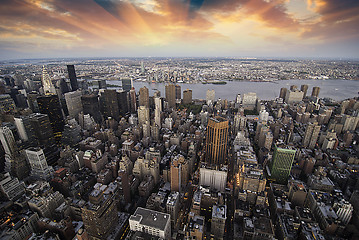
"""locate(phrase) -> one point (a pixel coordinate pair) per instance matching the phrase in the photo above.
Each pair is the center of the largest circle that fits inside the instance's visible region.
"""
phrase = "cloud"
(337, 21)
(124, 25)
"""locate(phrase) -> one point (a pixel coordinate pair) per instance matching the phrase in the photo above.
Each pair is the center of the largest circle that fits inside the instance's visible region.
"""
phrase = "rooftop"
(219, 211)
(151, 218)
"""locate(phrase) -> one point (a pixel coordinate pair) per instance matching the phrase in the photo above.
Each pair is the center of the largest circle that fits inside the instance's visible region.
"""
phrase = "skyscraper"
(281, 164)
(73, 103)
(63, 86)
(143, 115)
(158, 110)
(216, 141)
(99, 215)
(210, 96)
(311, 135)
(24, 128)
(47, 83)
(178, 91)
(170, 90)
(127, 84)
(110, 106)
(7, 104)
(124, 102)
(42, 128)
(144, 98)
(50, 105)
(38, 163)
(179, 172)
(7, 140)
(218, 225)
(283, 92)
(125, 185)
(315, 91)
(176, 175)
(304, 89)
(133, 100)
(15, 163)
(187, 96)
(90, 105)
(72, 76)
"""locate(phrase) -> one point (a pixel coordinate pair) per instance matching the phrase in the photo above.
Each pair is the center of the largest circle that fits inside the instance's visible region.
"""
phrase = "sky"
(179, 28)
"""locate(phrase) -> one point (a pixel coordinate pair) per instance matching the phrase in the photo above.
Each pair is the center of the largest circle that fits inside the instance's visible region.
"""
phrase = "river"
(335, 89)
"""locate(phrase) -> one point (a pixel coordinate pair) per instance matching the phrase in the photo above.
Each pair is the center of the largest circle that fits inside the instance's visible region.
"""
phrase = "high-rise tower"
(90, 105)
(315, 91)
(216, 141)
(38, 163)
(158, 110)
(311, 135)
(127, 84)
(110, 106)
(144, 99)
(99, 215)
(133, 100)
(170, 90)
(178, 91)
(73, 102)
(50, 105)
(41, 126)
(72, 76)
(15, 163)
(281, 164)
(210, 96)
(304, 89)
(187, 96)
(46, 82)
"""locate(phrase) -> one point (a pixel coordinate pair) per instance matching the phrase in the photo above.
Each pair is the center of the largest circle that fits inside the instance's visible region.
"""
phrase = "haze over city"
(176, 28)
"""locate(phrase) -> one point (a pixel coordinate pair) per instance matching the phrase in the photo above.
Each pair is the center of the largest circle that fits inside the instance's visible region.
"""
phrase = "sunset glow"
(114, 28)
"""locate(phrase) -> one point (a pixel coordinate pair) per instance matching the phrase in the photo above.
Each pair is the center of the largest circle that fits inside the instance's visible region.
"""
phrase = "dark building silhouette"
(32, 101)
(72, 76)
(42, 129)
(124, 102)
(50, 105)
(216, 141)
(63, 86)
(90, 105)
(127, 84)
(109, 104)
(125, 186)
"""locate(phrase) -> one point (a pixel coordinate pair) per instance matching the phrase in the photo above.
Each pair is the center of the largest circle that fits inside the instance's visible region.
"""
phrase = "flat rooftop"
(219, 211)
(151, 218)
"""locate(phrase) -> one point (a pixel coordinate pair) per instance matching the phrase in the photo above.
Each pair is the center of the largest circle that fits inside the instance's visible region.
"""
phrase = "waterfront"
(335, 89)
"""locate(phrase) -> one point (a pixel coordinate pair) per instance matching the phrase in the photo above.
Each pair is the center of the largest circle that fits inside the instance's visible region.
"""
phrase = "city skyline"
(163, 28)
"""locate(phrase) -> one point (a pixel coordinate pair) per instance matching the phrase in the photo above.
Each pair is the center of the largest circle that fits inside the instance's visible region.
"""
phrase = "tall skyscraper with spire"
(46, 82)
